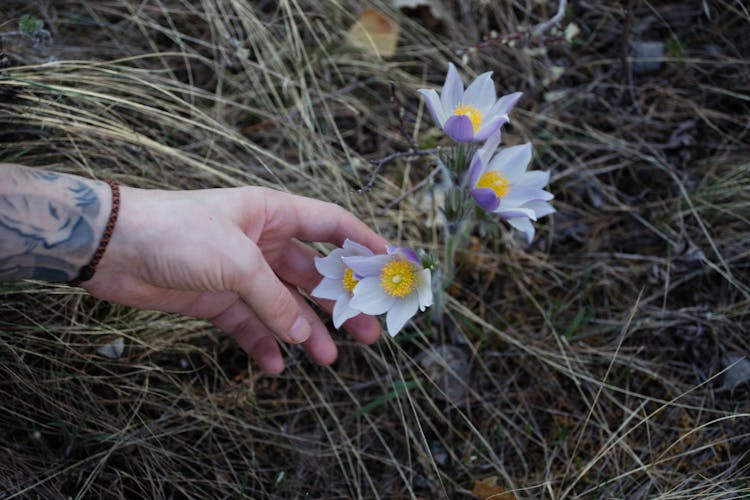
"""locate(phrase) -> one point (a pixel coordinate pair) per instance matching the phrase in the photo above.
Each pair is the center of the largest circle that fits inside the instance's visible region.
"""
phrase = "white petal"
(367, 265)
(434, 106)
(453, 90)
(524, 225)
(504, 104)
(510, 213)
(512, 161)
(535, 179)
(400, 313)
(370, 298)
(329, 288)
(331, 266)
(342, 311)
(424, 289)
(520, 195)
(489, 148)
(354, 248)
(540, 208)
(481, 93)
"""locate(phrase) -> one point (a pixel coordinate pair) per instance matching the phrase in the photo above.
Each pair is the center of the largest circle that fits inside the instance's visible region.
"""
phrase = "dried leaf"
(487, 489)
(374, 32)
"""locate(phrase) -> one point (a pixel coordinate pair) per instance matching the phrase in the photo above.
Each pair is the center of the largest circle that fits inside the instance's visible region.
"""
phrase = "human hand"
(234, 257)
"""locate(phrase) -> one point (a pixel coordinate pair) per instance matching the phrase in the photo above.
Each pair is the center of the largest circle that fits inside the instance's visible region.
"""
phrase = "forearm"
(50, 224)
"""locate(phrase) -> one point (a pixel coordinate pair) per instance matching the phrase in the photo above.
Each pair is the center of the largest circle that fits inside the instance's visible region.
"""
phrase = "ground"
(603, 360)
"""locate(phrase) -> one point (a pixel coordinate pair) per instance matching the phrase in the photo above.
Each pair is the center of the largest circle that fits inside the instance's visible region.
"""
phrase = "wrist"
(87, 271)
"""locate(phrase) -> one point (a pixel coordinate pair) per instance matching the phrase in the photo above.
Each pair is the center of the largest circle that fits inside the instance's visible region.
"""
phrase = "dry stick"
(400, 111)
(382, 161)
(627, 73)
(553, 21)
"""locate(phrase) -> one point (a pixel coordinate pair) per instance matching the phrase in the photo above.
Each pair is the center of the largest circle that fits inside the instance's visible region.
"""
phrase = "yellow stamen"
(495, 181)
(398, 278)
(349, 281)
(473, 113)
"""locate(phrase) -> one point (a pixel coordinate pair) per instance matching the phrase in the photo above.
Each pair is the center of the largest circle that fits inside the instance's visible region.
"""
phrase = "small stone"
(113, 350)
(448, 367)
(737, 370)
(647, 57)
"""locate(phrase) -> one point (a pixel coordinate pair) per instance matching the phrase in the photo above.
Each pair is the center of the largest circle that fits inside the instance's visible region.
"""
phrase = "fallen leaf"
(487, 489)
(375, 33)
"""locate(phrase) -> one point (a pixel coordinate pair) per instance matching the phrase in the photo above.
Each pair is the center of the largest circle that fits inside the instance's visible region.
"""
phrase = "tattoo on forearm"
(50, 224)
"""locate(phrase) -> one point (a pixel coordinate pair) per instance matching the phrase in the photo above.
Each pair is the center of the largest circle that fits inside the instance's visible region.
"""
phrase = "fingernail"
(300, 330)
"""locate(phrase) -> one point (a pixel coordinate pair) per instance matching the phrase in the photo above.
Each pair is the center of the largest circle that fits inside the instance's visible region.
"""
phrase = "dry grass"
(595, 356)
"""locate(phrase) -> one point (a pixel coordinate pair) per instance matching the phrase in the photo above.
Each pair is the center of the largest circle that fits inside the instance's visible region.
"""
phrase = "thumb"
(259, 287)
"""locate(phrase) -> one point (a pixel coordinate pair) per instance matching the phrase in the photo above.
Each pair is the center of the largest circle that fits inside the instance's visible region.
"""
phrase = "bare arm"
(50, 223)
(233, 256)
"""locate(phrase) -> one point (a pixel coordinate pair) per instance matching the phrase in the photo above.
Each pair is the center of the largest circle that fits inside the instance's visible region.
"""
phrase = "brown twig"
(400, 111)
(393, 156)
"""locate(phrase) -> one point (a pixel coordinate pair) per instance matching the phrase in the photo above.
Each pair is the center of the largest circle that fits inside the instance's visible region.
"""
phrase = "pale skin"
(235, 257)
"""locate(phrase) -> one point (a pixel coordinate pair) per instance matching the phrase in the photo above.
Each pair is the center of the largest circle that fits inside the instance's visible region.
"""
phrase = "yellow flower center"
(349, 281)
(473, 113)
(398, 278)
(495, 181)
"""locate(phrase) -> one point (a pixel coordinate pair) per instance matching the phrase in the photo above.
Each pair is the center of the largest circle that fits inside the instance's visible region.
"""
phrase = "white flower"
(339, 280)
(501, 184)
(472, 115)
(395, 284)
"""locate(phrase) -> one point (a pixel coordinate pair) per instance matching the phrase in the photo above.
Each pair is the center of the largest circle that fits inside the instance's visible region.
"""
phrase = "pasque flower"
(471, 115)
(501, 184)
(394, 283)
(339, 280)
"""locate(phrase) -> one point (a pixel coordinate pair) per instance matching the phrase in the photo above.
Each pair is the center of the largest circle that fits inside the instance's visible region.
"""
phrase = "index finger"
(315, 220)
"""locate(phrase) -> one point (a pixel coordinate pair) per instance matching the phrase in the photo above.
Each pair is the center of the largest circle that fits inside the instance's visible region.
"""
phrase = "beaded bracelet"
(87, 271)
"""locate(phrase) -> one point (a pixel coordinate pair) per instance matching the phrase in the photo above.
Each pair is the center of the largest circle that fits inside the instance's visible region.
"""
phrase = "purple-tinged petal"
(490, 127)
(355, 248)
(481, 93)
(434, 105)
(524, 225)
(370, 298)
(367, 265)
(406, 253)
(489, 147)
(486, 198)
(510, 213)
(459, 128)
(504, 104)
(512, 162)
(475, 168)
(400, 313)
(453, 90)
(519, 195)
